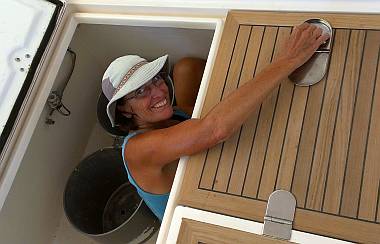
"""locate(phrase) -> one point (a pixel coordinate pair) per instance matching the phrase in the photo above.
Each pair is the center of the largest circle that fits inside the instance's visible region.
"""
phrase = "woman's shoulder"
(130, 135)
(128, 140)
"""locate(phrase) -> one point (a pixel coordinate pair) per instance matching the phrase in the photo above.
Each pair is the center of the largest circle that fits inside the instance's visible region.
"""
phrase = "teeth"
(160, 104)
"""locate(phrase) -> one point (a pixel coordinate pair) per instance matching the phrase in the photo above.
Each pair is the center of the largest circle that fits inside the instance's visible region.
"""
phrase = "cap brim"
(143, 75)
(103, 117)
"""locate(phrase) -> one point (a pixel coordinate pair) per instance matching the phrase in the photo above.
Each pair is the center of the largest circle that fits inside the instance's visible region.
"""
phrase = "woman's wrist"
(286, 65)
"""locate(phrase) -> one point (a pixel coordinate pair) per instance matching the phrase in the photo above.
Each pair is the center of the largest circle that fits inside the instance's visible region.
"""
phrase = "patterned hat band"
(128, 75)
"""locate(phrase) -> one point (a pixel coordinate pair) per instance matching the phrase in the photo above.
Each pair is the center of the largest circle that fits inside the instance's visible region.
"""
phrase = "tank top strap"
(126, 139)
(180, 115)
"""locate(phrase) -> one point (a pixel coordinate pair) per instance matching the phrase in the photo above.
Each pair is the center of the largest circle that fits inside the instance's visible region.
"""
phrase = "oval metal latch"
(316, 67)
(279, 216)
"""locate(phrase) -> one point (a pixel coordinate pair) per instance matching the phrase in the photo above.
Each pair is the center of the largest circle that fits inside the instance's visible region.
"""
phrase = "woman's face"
(150, 104)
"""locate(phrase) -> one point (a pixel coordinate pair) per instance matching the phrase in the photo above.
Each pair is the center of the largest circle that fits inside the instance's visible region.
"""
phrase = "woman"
(139, 99)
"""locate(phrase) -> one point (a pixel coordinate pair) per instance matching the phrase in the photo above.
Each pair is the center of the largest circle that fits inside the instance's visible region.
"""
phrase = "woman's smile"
(160, 104)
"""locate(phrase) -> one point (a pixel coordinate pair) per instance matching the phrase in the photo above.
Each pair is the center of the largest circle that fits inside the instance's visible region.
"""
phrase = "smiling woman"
(149, 107)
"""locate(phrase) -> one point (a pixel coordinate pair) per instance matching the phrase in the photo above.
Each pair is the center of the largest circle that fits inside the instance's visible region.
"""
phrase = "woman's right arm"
(162, 146)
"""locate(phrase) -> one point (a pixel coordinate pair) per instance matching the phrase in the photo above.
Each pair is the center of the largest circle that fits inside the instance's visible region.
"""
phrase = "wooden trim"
(195, 232)
(337, 20)
(221, 67)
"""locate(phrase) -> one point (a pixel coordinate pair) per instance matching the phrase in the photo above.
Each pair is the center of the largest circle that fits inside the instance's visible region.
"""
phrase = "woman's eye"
(156, 78)
(140, 92)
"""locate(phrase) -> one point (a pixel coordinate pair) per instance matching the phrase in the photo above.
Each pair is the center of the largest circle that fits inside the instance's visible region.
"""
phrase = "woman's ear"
(127, 115)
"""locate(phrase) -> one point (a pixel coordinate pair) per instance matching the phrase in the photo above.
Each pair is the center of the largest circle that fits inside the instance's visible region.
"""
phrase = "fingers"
(297, 30)
(302, 26)
(307, 32)
(302, 43)
(321, 39)
(317, 33)
(311, 29)
(305, 27)
(312, 34)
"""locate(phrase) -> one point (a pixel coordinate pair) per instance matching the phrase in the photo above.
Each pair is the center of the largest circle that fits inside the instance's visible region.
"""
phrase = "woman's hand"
(302, 43)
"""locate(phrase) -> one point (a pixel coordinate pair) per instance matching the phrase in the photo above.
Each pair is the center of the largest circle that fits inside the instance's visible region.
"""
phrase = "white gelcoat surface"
(22, 27)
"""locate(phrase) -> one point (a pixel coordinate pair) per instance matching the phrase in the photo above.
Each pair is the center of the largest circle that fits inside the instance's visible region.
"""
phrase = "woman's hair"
(125, 124)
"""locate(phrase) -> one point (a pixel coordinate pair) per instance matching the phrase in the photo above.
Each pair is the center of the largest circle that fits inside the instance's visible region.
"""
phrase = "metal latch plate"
(279, 215)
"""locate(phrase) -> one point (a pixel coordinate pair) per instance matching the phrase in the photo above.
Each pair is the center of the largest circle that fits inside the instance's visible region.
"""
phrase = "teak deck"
(322, 142)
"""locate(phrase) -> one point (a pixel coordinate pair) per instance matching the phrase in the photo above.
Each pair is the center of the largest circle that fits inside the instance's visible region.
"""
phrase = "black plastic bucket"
(100, 202)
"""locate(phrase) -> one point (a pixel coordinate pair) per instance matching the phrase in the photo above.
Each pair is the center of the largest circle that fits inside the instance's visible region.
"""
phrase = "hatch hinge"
(279, 215)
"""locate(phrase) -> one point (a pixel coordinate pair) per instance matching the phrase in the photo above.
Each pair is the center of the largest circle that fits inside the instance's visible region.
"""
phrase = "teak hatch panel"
(322, 142)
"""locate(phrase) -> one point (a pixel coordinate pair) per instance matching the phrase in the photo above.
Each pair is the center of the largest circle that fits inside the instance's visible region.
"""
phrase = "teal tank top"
(156, 202)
